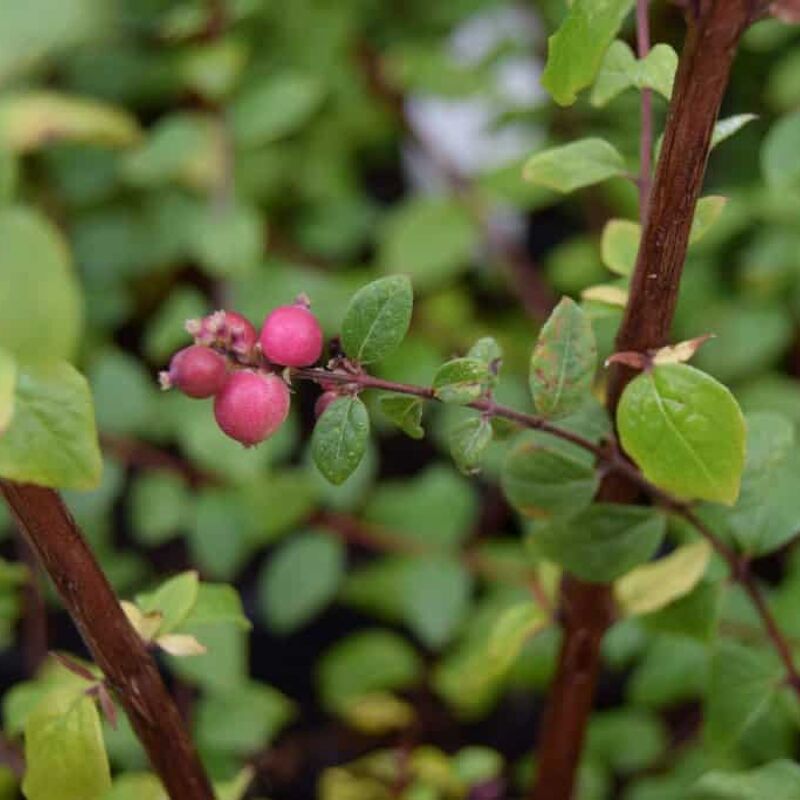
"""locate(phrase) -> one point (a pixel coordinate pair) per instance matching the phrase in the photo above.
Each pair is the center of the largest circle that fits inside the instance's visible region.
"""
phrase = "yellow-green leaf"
(650, 587)
(8, 380)
(685, 431)
(32, 119)
(64, 750)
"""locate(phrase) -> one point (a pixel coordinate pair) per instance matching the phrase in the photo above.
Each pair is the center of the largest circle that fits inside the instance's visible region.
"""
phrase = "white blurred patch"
(463, 133)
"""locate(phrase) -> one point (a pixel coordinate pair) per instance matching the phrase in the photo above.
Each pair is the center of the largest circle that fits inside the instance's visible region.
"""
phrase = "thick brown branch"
(703, 73)
(116, 648)
(702, 76)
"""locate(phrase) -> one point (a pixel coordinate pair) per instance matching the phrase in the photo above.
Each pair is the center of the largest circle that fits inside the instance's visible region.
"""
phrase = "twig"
(115, 646)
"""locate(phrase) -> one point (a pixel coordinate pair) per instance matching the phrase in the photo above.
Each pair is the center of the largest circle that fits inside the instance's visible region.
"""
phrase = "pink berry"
(241, 333)
(197, 371)
(251, 406)
(226, 329)
(291, 336)
(323, 401)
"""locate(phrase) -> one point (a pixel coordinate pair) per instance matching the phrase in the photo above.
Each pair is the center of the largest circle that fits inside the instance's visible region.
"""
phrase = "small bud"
(196, 370)
(323, 401)
(291, 336)
(226, 329)
(251, 406)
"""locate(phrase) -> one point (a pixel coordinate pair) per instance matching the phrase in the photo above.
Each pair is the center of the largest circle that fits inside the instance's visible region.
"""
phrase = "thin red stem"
(646, 130)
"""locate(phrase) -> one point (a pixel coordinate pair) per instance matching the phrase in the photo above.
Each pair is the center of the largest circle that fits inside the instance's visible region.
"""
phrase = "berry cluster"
(231, 362)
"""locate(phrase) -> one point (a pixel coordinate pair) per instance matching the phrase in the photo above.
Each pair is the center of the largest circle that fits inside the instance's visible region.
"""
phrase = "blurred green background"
(159, 160)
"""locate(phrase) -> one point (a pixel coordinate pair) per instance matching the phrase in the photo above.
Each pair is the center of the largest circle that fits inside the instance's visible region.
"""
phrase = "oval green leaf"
(685, 431)
(377, 318)
(39, 293)
(461, 381)
(602, 542)
(542, 477)
(300, 579)
(575, 165)
(340, 438)
(52, 439)
(563, 362)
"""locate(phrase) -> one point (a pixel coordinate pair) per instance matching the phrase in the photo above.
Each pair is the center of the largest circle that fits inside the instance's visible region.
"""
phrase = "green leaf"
(685, 431)
(405, 412)
(778, 780)
(653, 586)
(215, 604)
(779, 163)
(340, 438)
(137, 786)
(436, 594)
(512, 629)
(52, 439)
(275, 107)
(743, 683)
(432, 239)
(182, 147)
(563, 362)
(25, 41)
(575, 52)
(767, 512)
(657, 70)
(543, 477)
(174, 600)
(228, 242)
(461, 381)
(39, 293)
(626, 740)
(620, 70)
(619, 245)
(300, 580)
(437, 507)
(64, 750)
(468, 442)
(8, 382)
(706, 213)
(486, 349)
(29, 120)
(727, 127)
(575, 165)
(377, 318)
(241, 720)
(160, 503)
(366, 662)
(602, 542)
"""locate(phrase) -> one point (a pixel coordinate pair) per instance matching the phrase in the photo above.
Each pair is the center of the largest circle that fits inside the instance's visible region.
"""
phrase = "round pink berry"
(251, 406)
(197, 371)
(323, 401)
(291, 336)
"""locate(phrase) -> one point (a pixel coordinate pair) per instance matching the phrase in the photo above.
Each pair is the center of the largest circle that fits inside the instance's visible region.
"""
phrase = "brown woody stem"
(116, 648)
(702, 76)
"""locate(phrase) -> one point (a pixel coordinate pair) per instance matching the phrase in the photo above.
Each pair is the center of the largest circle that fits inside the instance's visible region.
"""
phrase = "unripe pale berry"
(323, 401)
(251, 406)
(197, 371)
(226, 329)
(291, 336)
